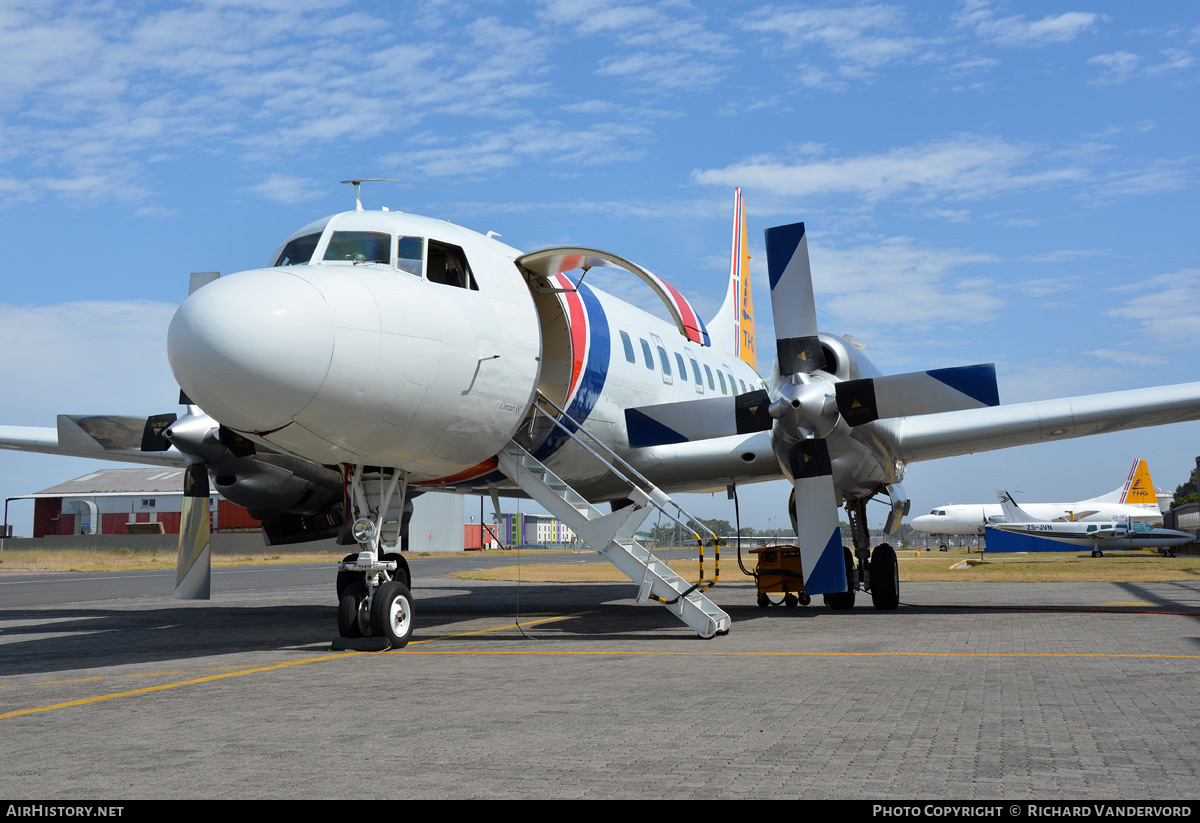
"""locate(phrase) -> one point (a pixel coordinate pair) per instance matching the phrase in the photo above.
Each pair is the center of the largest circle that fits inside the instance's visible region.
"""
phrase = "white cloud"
(899, 282)
(666, 47)
(1118, 67)
(968, 166)
(1017, 31)
(1168, 308)
(858, 37)
(489, 151)
(286, 189)
(1127, 358)
(102, 356)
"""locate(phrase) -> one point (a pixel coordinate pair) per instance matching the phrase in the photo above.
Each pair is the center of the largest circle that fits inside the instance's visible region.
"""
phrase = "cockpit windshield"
(299, 251)
(360, 247)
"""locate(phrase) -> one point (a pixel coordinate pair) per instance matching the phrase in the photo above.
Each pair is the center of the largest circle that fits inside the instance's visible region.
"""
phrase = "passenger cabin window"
(649, 358)
(721, 377)
(360, 247)
(299, 251)
(409, 251)
(628, 345)
(448, 266)
(682, 368)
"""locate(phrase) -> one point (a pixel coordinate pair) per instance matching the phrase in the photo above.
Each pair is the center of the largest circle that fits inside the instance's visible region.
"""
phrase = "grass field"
(955, 565)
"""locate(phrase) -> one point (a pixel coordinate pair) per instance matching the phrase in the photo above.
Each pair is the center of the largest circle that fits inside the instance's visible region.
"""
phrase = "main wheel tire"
(392, 613)
(351, 611)
(885, 578)
(347, 579)
(841, 601)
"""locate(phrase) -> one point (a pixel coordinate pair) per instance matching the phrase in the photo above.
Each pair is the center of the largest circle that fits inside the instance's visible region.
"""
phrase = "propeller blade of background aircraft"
(193, 563)
(921, 392)
(817, 529)
(690, 420)
(792, 303)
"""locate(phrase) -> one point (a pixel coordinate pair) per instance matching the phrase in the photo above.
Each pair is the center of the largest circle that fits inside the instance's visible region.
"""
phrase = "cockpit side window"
(360, 247)
(409, 252)
(299, 251)
(448, 266)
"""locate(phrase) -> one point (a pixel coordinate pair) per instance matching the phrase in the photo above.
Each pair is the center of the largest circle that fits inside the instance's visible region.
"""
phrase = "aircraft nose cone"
(252, 349)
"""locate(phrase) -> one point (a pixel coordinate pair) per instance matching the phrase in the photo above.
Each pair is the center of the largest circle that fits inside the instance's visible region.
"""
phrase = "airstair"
(612, 535)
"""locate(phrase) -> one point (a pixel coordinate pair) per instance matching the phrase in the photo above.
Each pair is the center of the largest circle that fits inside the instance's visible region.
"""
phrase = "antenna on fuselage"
(358, 185)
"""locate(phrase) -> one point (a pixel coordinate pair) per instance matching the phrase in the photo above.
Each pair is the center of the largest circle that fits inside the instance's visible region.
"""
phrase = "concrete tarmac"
(1028, 691)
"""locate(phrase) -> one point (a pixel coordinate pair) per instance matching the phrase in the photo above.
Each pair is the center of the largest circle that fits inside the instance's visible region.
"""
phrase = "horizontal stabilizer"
(689, 420)
(917, 393)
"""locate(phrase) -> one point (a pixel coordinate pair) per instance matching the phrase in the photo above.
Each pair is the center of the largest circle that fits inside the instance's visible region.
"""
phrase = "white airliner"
(1096, 536)
(379, 354)
(1135, 500)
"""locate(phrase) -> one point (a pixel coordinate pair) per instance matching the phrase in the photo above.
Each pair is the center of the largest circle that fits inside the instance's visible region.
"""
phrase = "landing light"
(363, 530)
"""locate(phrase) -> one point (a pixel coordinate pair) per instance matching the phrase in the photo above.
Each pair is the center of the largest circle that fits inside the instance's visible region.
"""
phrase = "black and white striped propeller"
(801, 409)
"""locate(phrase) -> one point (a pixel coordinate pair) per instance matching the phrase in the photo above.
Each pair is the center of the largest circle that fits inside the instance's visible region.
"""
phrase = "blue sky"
(998, 182)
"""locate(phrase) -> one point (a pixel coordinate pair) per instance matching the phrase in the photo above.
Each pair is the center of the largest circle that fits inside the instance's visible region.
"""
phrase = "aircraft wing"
(102, 437)
(1081, 515)
(947, 434)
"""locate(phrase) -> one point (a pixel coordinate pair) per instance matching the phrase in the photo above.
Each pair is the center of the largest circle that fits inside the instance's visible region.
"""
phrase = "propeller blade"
(818, 532)
(792, 303)
(238, 446)
(193, 562)
(152, 434)
(690, 420)
(922, 392)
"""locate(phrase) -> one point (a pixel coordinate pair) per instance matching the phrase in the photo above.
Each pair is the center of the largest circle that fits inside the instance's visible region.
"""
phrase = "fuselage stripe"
(595, 372)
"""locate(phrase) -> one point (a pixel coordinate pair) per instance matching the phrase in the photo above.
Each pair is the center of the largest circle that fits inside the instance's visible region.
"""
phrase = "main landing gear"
(375, 606)
(878, 571)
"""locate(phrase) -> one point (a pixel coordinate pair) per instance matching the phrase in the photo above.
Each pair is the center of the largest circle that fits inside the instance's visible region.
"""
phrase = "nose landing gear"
(375, 606)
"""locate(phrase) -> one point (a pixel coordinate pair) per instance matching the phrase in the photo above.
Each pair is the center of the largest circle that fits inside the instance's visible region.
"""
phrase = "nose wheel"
(374, 600)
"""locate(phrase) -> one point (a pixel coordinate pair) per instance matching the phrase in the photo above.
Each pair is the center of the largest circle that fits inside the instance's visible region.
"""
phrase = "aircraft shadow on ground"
(71, 638)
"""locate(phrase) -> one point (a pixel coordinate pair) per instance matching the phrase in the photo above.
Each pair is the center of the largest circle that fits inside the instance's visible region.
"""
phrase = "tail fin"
(733, 326)
(1139, 488)
(1012, 511)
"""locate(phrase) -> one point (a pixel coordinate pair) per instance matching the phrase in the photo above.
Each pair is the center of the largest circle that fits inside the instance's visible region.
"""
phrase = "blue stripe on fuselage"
(595, 372)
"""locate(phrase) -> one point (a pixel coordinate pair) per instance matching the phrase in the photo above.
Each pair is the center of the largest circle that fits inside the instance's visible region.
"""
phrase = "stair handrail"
(692, 520)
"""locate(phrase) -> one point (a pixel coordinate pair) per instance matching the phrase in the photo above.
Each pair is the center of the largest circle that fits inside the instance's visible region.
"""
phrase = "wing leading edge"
(100, 437)
(948, 434)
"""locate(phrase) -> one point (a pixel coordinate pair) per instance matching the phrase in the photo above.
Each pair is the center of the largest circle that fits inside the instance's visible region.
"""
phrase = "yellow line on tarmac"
(210, 678)
(150, 674)
(76, 680)
(165, 686)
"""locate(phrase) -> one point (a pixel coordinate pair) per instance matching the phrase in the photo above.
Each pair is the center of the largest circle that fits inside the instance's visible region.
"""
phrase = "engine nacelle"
(278, 483)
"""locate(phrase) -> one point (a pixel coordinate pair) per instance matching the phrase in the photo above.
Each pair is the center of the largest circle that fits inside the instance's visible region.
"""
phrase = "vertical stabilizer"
(1139, 488)
(733, 326)
(1012, 511)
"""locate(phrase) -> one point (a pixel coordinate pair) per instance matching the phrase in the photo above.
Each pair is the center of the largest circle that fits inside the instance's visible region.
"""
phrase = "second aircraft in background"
(1135, 500)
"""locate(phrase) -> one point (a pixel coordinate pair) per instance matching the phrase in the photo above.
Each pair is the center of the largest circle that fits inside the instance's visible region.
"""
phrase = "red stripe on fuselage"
(577, 318)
